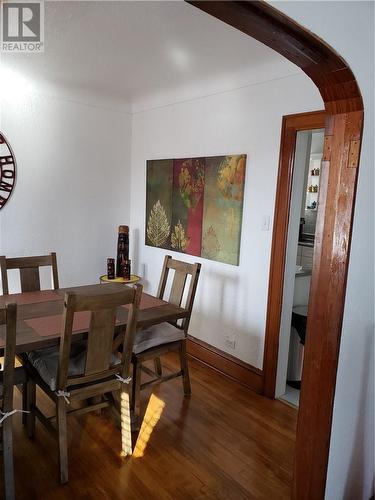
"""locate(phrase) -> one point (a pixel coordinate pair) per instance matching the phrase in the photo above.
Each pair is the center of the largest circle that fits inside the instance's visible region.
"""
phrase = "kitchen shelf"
(309, 244)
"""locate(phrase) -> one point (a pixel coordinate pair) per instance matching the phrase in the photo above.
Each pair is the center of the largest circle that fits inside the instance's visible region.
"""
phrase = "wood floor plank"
(225, 442)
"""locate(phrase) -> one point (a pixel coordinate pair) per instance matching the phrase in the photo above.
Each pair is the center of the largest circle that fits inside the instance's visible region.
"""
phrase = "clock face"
(7, 171)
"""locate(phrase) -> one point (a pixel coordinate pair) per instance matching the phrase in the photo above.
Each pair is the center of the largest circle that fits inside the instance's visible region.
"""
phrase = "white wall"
(351, 461)
(72, 186)
(230, 300)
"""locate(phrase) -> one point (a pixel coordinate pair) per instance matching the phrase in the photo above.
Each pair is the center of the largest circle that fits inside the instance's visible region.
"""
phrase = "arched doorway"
(343, 133)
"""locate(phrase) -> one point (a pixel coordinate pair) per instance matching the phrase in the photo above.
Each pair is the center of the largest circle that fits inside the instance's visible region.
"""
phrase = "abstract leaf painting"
(222, 212)
(187, 202)
(194, 206)
(159, 203)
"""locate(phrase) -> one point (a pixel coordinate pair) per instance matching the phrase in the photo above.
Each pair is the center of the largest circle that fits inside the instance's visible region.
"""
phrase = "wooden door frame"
(343, 133)
(291, 124)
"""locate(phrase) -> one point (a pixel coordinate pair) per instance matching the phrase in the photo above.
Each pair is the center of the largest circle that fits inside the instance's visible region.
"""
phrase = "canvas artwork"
(194, 206)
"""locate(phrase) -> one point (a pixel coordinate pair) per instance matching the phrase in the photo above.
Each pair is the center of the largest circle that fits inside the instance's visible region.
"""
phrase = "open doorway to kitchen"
(294, 179)
(299, 262)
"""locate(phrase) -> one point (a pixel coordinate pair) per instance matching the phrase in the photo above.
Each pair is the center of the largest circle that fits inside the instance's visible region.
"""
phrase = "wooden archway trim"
(327, 69)
(343, 133)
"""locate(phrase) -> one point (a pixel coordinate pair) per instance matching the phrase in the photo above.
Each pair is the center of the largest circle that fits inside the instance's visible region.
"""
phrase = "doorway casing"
(342, 143)
(291, 124)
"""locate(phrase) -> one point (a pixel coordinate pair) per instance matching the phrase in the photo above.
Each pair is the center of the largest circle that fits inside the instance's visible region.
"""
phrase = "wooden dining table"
(39, 315)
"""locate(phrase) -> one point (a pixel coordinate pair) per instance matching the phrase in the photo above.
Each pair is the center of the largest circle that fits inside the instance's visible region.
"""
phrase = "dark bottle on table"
(126, 269)
(111, 269)
(122, 248)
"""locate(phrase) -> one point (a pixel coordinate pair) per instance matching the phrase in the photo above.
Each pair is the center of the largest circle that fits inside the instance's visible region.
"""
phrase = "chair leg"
(63, 440)
(126, 435)
(24, 402)
(8, 458)
(30, 391)
(134, 373)
(136, 390)
(185, 368)
(157, 367)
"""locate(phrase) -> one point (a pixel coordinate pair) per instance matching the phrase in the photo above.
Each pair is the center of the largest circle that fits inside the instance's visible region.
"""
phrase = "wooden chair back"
(100, 351)
(181, 272)
(29, 271)
(8, 317)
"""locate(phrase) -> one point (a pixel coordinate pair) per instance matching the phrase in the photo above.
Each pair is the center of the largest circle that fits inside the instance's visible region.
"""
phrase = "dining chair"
(30, 282)
(8, 317)
(88, 370)
(29, 271)
(153, 342)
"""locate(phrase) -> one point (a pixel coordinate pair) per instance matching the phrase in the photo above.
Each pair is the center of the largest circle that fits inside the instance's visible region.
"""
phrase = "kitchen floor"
(291, 396)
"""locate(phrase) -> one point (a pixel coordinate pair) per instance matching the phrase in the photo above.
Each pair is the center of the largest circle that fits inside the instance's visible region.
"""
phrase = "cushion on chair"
(46, 362)
(156, 335)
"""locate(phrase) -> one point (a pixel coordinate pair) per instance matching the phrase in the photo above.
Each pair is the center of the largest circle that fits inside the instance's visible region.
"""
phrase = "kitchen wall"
(231, 301)
(72, 189)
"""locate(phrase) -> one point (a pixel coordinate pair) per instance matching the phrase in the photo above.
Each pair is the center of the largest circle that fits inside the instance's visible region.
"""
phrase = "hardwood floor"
(225, 442)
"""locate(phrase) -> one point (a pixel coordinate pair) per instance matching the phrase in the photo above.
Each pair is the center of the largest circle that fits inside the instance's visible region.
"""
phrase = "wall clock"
(7, 171)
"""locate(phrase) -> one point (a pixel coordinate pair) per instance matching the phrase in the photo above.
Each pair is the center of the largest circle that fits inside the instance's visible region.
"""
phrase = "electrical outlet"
(230, 342)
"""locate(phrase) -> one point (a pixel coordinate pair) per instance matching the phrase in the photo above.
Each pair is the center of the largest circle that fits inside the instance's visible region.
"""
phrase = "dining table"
(39, 315)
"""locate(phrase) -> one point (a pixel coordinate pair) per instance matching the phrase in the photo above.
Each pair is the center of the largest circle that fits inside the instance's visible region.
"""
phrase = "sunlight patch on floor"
(126, 438)
(152, 416)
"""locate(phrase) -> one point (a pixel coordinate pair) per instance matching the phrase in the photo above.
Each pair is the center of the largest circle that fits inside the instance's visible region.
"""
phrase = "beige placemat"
(51, 325)
(31, 297)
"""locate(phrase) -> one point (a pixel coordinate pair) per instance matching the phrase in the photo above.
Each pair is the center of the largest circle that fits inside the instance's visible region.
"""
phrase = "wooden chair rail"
(87, 379)
(96, 302)
(27, 262)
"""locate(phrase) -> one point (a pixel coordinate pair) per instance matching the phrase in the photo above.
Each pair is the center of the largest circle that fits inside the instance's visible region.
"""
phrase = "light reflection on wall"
(13, 84)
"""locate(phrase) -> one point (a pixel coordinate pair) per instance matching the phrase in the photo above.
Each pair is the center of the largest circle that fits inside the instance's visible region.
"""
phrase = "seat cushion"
(46, 362)
(156, 335)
